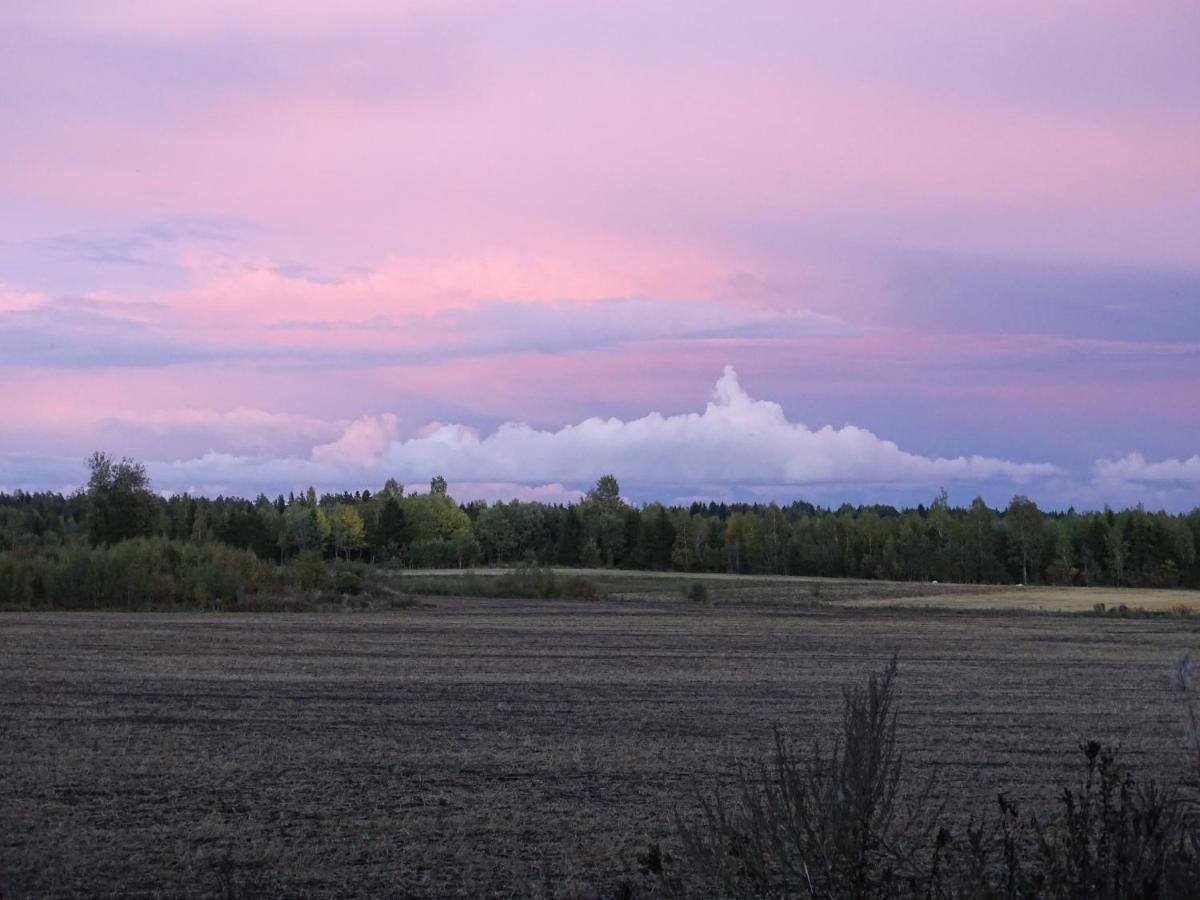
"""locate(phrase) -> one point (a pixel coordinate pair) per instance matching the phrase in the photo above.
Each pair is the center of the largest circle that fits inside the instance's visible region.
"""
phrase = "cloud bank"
(736, 440)
(737, 448)
(1134, 468)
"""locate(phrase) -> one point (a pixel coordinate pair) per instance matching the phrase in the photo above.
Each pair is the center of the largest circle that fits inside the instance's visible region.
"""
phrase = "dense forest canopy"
(972, 544)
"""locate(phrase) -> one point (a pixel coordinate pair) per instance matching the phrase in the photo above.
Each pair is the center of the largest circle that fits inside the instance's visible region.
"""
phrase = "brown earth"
(502, 748)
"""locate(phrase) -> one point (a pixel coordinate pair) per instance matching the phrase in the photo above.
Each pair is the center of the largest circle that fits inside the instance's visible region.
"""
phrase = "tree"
(657, 536)
(775, 532)
(495, 533)
(437, 486)
(120, 504)
(743, 541)
(464, 546)
(200, 525)
(394, 533)
(606, 494)
(433, 516)
(1117, 550)
(589, 555)
(1062, 567)
(305, 527)
(607, 531)
(570, 537)
(689, 539)
(1023, 521)
(980, 540)
(347, 529)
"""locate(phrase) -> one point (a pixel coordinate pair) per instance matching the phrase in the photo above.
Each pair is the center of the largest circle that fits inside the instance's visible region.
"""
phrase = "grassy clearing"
(490, 748)
(1053, 600)
(646, 586)
(808, 592)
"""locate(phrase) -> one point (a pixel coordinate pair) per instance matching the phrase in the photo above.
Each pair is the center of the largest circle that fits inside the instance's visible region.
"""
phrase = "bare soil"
(503, 748)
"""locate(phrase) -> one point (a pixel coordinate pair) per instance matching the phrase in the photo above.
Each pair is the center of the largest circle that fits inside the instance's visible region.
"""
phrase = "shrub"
(133, 574)
(697, 592)
(576, 588)
(1113, 838)
(347, 581)
(308, 571)
(527, 581)
(829, 824)
(847, 822)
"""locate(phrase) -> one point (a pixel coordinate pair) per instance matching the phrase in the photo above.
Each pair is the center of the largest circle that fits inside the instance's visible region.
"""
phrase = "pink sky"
(967, 229)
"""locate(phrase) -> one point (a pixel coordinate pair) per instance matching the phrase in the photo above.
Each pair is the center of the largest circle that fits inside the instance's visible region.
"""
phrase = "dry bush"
(528, 581)
(847, 822)
(832, 822)
(1114, 837)
(574, 587)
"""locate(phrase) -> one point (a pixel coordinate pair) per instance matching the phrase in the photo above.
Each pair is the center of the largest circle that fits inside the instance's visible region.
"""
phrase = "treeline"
(973, 544)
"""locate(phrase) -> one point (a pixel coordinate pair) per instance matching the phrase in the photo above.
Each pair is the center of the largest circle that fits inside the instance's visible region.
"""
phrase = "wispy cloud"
(78, 332)
(74, 334)
(137, 246)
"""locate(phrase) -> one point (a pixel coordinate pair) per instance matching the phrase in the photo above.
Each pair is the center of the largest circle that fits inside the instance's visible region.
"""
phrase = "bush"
(576, 588)
(527, 581)
(1113, 838)
(847, 822)
(347, 581)
(308, 571)
(834, 823)
(697, 592)
(135, 574)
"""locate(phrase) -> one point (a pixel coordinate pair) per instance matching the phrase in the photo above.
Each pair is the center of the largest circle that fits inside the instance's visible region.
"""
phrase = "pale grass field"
(1049, 599)
(873, 594)
(634, 573)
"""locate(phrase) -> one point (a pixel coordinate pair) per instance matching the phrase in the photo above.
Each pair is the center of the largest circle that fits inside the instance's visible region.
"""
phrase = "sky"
(768, 250)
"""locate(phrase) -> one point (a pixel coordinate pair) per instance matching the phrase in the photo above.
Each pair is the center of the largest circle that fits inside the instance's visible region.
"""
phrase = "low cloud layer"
(1134, 468)
(738, 447)
(736, 440)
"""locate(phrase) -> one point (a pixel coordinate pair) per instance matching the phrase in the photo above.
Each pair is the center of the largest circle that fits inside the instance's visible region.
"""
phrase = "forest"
(975, 544)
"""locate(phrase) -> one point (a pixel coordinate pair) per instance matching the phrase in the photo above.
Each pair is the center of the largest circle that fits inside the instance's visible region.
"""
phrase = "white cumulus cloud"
(1134, 467)
(735, 440)
(736, 443)
(364, 442)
